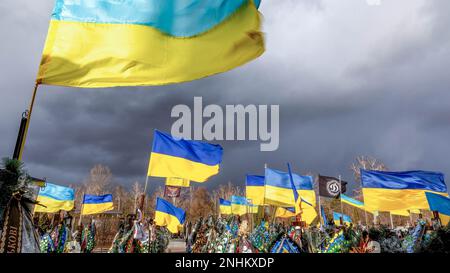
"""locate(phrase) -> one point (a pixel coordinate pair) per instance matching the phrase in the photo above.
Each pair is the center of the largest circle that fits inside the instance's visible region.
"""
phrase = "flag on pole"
(94, 204)
(167, 215)
(148, 42)
(279, 190)
(352, 202)
(337, 219)
(188, 159)
(254, 189)
(55, 198)
(224, 206)
(239, 205)
(388, 191)
(330, 187)
(177, 182)
(305, 190)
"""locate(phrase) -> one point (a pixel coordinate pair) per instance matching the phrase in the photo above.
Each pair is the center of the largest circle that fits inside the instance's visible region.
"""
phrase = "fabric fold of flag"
(167, 215)
(224, 206)
(254, 189)
(55, 198)
(188, 159)
(94, 204)
(391, 191)
(148, 42)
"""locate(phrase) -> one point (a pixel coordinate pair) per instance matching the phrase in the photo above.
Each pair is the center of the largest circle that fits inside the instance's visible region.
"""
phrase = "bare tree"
(99, 179)
(365, 163)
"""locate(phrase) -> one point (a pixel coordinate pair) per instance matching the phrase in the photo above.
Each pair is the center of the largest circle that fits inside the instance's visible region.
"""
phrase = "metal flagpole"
(23, 138)
(340, 199)
(81, 211)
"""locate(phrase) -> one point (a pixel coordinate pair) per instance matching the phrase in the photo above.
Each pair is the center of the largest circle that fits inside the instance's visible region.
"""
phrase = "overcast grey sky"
(350, 78)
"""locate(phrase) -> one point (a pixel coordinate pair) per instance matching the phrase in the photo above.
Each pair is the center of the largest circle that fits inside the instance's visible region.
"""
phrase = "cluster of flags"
(54, 198)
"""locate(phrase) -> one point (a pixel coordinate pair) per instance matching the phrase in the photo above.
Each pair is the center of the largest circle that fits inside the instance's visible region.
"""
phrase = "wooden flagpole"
(392, 221)
(27, 125)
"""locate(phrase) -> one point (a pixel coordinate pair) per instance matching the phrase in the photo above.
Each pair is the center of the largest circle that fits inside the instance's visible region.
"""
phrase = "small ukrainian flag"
(337, 219)
(352, 202)
(193, 160)
(55, 198)
(254, 189)
(167, 215)
(225, 206)
(239, 205)
(94, 204)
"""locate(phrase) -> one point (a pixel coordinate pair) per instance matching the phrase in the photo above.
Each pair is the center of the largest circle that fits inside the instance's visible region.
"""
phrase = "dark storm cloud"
(351, 79)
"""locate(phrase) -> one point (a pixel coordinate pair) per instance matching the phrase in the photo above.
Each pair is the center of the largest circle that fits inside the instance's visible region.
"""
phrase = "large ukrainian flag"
(106, 43)
(390, 191)
(94, 204)
(167, 215)
(254, 189)
(224, 206)
(188, 159)
(55, 198)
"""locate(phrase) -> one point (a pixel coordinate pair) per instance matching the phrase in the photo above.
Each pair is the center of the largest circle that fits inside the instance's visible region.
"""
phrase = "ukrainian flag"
(390, 191)
(94, 204)
(304, 186)
(239, 205)
(352, 202)
(254, 189)
(279, 190)
(167, 215)
(55, 198)
(106, 43)
(188, 159)
(224, 206)
(337, 219)
(177, 182)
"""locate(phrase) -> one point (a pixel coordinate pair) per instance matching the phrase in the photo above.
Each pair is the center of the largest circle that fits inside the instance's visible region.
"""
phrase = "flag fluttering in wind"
(352, 202)
(148, 42)
(225, 206)
(94, 204)
(239, 205)
(254, 189)
(177, 182)
(388, 191)
(188, 159)
(55, 198)
(167, 215)
(331, 187)
(337, 219)
(279, 190)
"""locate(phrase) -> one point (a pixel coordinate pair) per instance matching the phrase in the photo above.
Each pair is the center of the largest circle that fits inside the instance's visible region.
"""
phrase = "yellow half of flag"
(83, 51)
